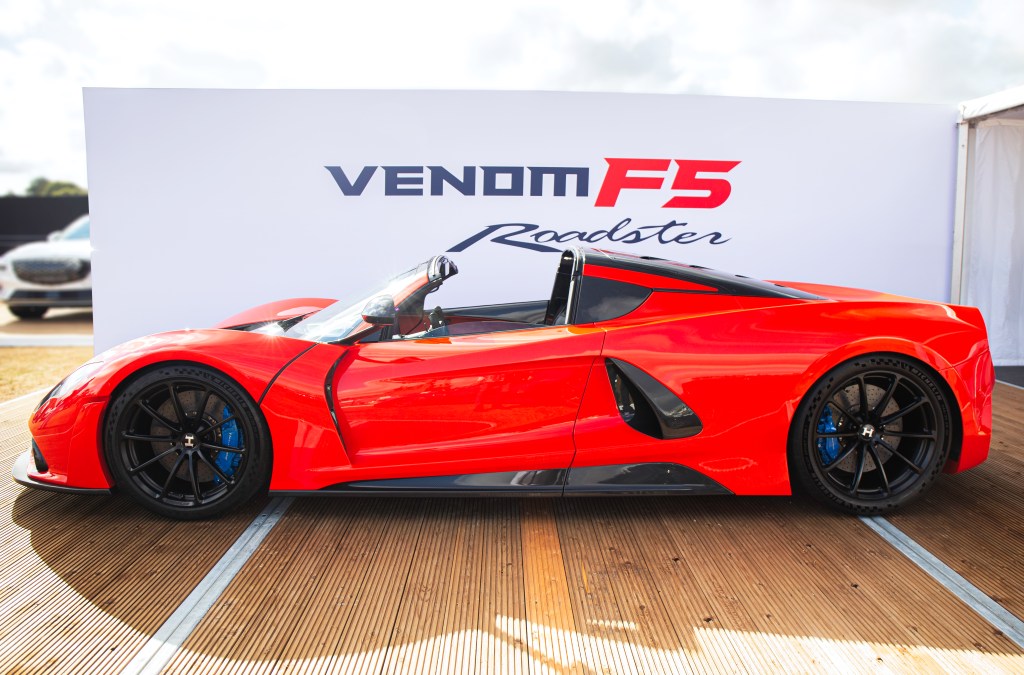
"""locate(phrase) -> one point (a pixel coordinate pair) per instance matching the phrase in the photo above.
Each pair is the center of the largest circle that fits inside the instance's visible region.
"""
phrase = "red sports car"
(637, 376)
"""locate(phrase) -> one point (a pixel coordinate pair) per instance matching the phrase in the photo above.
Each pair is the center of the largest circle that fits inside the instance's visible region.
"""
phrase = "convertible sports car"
(637, 376)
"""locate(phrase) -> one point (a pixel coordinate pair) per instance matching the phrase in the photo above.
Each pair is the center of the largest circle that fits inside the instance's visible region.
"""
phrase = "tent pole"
(960, 212)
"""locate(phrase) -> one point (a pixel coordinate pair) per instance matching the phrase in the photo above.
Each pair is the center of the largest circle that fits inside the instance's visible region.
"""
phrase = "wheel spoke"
(151, 460)
(178, 412)
(213, 467)
(843, 434)
(904, 411)
(202, 404)
(863, 387)
(835, 462)
(216, 426)
(913, 467)
(859, 473)
(170, 476)
(128, 436)
(223, 448)
(910, 434)
(158, 417)
(194, 479)
(881, 469)
(887, 396)
(842, 411)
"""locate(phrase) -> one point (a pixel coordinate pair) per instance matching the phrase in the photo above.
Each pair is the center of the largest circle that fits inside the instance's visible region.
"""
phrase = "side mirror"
(380, 311)
(53, 236)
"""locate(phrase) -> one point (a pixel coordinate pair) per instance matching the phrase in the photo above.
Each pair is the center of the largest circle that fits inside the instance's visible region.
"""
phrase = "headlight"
(69, 383)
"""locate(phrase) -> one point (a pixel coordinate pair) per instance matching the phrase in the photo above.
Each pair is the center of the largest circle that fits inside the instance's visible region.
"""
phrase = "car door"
(468, 404)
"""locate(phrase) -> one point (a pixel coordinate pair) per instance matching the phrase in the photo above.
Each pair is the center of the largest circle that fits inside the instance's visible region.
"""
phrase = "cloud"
(608, 64)
(893, 50)
(12, 166)
(183, 67)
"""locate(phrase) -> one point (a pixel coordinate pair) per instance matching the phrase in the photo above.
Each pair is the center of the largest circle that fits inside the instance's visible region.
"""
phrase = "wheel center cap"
(189, 441)
(867, 432)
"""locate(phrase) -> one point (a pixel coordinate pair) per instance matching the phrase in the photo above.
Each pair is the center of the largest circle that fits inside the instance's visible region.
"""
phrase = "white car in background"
(52, 273)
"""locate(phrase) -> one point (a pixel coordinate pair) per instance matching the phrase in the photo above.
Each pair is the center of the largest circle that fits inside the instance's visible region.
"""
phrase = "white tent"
(988, 248)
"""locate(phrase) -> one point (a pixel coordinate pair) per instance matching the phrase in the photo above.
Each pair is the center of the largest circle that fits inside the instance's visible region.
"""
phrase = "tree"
(43, 187)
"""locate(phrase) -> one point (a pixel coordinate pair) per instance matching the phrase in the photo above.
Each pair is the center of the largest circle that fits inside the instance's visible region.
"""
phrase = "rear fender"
(863, 347)
(966, 385)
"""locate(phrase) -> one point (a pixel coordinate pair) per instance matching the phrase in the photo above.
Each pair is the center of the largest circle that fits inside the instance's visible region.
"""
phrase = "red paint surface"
(539, 398)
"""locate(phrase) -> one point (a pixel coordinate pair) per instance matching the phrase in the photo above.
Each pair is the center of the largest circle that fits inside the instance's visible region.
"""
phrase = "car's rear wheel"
(871, 435)
(28, 312)
(187, 442)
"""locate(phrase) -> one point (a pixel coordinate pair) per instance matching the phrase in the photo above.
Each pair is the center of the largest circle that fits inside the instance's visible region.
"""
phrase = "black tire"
(871, 435)
(187, 442)
(27, 311)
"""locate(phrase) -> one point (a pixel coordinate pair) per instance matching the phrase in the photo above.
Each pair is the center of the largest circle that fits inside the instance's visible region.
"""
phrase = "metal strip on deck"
(974, 522)
(986, 607)
(167, 640)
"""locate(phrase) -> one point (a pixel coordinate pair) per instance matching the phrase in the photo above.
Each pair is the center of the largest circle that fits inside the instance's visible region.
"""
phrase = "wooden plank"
(414, 640)
(483, 621)
(550, 627)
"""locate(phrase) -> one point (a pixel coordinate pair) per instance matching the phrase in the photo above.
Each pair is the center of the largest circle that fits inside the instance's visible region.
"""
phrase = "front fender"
(251, 359)
(69, 427)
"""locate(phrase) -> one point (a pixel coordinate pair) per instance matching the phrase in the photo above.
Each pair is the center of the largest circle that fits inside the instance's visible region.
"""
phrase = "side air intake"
(647, 405)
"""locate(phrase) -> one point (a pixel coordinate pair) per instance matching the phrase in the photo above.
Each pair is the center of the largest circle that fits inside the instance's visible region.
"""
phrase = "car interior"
(416, 321)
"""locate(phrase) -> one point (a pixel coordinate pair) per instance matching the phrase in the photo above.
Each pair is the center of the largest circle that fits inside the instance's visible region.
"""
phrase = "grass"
(26, 369)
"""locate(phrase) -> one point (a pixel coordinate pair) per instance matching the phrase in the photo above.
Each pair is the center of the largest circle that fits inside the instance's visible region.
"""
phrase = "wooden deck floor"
(975, 522)
(480, 586)
(85, 581)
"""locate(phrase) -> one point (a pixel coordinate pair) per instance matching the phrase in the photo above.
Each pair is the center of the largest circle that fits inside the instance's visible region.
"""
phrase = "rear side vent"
(649, 406)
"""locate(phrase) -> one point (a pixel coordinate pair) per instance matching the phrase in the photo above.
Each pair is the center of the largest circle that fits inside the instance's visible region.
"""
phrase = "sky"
(920, 51)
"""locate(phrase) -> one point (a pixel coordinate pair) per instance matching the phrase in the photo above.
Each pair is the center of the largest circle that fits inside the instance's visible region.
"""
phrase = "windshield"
(76, 230)
(338, 321)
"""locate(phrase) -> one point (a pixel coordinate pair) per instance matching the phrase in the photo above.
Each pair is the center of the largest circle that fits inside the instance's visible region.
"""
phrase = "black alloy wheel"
(187, 442)
(871, 435)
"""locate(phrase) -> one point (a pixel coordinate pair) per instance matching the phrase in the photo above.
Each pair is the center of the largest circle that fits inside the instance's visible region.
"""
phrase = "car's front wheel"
(187, 442)
(28, 311)
(871, 435)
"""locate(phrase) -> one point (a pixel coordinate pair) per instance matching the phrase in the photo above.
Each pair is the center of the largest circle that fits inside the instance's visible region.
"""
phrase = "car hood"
(77, 248)
(276, 311)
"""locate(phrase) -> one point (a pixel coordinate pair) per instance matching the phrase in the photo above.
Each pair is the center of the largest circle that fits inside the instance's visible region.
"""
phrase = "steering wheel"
(437, 318)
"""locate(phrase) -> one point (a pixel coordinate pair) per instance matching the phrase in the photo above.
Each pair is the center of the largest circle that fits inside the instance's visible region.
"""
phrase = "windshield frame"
(341, 320)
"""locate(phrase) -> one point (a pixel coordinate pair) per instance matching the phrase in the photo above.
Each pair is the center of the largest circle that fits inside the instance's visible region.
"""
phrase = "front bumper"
(21, 475)
(49, 298)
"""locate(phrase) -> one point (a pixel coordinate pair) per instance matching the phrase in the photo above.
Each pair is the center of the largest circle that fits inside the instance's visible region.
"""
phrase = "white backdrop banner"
(205, 202)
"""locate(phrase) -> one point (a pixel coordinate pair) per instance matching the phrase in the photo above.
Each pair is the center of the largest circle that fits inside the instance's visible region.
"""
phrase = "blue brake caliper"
(828, 448)
(227, 462)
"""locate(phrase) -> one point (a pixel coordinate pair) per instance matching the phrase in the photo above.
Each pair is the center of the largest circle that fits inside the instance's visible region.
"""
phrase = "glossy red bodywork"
(539, 398)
